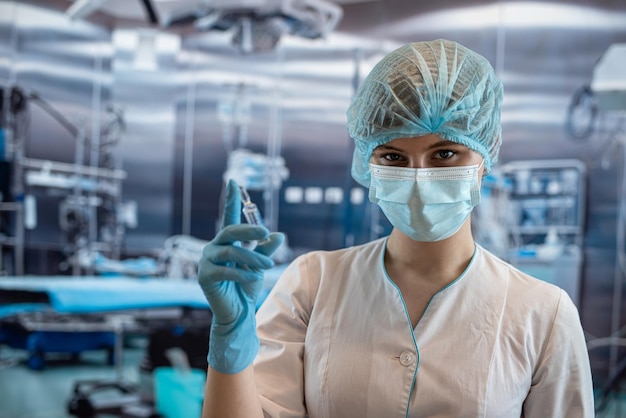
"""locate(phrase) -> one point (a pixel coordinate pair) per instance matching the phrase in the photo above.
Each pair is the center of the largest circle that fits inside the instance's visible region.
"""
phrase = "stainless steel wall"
(69, 66)
(145, 86)
(175, 152)
(303, 90)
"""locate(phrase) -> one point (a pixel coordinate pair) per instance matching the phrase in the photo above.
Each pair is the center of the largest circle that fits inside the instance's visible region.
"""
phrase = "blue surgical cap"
(437, 87)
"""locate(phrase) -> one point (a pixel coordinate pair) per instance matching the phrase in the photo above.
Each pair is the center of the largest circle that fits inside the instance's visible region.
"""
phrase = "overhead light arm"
(208, 22)
(82, 8)
(152, 16)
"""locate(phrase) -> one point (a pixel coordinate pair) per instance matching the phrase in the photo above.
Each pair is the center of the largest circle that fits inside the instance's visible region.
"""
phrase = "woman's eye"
(445, 154)
(391, 157)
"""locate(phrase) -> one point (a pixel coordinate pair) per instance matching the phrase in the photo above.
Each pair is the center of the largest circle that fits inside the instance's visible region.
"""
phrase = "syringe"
(251, 211)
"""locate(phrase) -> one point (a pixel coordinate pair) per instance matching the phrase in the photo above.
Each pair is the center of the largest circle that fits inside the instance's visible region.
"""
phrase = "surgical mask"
(426, 204)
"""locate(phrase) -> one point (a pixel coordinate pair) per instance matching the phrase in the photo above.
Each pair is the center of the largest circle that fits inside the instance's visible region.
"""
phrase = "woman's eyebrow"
(438, 144)
(386, 147)
(444, 144)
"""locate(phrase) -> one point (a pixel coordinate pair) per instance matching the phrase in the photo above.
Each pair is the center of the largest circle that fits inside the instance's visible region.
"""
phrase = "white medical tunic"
(337, 341)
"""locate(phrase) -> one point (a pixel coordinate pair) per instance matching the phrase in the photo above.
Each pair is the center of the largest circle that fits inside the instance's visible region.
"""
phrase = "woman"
(423, 323)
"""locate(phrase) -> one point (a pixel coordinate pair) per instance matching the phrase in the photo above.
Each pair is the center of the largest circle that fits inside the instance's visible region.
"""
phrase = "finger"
(242, 232)
(269, 246)
(232, 205)
(215, 273)
(232, 254)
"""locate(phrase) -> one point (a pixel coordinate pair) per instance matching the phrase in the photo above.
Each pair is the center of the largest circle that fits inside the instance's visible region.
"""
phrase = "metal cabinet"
(545, 223)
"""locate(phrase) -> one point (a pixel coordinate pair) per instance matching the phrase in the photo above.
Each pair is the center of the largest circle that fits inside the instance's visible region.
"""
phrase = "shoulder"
(526, 300)
(529, 301)
(308, 272)
(520, 287)
(372, 251)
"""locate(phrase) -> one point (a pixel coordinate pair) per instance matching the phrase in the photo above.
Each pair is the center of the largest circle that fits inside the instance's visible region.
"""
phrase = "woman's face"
(425, 152)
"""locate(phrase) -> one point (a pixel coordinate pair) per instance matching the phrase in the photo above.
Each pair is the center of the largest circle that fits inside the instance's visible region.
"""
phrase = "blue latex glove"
(231, 278)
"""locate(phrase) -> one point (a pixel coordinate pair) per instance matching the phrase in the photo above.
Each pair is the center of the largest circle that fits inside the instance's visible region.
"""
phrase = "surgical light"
(257, 25)
(609, 80)
(257, 35)
(605, 93)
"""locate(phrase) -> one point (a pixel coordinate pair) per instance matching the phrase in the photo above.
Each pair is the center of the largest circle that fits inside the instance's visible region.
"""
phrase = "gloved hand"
(231, 278)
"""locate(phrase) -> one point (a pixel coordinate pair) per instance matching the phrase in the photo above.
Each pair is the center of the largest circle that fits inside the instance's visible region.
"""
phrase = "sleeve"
(282, 324)
(562, 385)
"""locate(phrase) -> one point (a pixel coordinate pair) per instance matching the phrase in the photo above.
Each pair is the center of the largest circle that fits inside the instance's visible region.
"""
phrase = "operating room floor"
(26, 393)
(617, 409)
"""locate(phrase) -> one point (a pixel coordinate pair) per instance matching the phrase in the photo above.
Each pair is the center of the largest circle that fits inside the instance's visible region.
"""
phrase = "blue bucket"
(179, 394)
